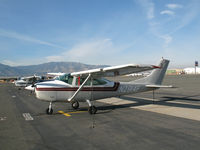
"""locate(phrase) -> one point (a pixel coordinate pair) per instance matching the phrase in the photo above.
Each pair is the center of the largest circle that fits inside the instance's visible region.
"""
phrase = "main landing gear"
(75, 104)
(91, 109)
(49, 110)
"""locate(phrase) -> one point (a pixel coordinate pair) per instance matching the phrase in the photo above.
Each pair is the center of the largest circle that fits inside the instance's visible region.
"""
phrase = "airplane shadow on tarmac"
(165, 102)
(107, 108)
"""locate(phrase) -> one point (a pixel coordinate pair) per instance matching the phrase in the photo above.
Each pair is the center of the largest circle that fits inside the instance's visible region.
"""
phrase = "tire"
(75, 104)
(49, 112)
(92, 110)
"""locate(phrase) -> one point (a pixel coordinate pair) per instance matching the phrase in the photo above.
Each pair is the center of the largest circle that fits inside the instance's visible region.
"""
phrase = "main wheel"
(49, 112)
(75, 104)
(92, 110)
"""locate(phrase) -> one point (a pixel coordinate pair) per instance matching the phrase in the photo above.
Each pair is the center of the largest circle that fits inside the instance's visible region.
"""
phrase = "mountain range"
(42, 69)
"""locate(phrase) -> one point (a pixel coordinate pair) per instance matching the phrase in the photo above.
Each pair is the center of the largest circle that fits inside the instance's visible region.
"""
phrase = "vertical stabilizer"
(157, 75)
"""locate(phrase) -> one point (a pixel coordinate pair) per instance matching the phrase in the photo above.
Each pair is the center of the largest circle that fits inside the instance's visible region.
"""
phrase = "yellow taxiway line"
(68, 114)
(76, 112)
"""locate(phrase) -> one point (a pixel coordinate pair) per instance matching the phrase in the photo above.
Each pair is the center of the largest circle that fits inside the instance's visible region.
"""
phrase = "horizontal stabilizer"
(30, 88)
(159, 86)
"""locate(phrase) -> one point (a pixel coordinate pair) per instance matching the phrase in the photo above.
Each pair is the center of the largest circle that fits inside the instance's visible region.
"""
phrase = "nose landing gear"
(49, 110)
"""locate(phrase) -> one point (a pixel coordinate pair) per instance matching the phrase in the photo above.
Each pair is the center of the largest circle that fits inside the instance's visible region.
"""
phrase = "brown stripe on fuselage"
(114, 88)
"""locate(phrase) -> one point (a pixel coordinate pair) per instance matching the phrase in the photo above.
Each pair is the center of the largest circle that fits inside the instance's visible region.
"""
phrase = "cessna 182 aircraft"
(86, 86)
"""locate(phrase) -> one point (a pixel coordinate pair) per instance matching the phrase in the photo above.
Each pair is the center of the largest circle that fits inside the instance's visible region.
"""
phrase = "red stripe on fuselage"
(114, 88)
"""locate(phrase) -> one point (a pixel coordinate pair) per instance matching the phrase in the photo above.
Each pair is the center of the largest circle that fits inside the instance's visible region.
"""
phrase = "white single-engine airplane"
(26, 81)
(86, 86)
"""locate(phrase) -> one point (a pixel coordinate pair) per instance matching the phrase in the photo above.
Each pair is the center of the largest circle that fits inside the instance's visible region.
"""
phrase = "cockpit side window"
(94, 81)
(67, 78)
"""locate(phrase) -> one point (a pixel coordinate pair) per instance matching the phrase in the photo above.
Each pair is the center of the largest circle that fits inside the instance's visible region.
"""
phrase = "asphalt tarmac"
(170, 121)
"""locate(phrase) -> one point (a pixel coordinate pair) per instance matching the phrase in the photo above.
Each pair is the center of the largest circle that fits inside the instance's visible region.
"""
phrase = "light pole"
(196, 65)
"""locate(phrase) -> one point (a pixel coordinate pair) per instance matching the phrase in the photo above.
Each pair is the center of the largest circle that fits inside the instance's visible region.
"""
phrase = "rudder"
(157, 75)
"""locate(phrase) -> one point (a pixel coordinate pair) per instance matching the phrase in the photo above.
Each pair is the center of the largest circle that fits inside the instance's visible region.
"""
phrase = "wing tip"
(153, 66)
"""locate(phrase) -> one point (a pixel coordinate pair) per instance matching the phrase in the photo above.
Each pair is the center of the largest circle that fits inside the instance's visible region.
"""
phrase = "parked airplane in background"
(86, 86)
(25, 81)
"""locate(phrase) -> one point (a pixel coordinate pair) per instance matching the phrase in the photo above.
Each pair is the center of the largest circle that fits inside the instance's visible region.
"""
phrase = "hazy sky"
(109, 32)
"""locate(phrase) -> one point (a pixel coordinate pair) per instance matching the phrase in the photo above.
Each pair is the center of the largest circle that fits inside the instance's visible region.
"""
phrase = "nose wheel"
(49, 110)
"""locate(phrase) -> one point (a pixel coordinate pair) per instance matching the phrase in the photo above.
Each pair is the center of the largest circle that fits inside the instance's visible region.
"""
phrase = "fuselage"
(60, 91)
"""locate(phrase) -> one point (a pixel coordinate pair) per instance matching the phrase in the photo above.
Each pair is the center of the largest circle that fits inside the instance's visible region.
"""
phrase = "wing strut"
(73, 96)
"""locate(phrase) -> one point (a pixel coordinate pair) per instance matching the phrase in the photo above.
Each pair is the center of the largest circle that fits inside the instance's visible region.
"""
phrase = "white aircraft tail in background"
(26, 81)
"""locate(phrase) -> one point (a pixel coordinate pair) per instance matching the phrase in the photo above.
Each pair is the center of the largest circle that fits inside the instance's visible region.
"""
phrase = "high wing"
(56, 73)
(115, 71)
(110, 72)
